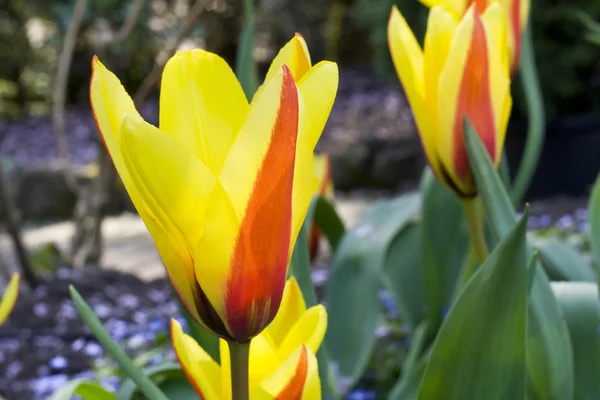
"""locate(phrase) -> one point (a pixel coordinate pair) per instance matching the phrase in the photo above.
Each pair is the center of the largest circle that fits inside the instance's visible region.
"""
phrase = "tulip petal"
(110, 103)
(408, 60)
(202, 104)
(297, 378)
(9, 298)
(242, 269)
(494, 22)
(176, 184)
(290, 311)
(308, 330)
(203, 373)
(323, 172)
(294, 55)
(465, 82)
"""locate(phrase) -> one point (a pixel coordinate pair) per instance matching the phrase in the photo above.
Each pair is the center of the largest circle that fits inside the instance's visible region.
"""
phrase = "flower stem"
(475, 224)
(239, 354)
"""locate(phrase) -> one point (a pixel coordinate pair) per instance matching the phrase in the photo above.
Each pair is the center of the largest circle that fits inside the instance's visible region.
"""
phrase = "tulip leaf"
(407, 386)
(444, 245)
(352, 292)
(549, 353)
(145, 385)
(404, 276)
(480, 349)
(562, 262)
(327, 219)
(161, 375)
(579, 304)
(594, 218)
(85, 389)
(245, 68)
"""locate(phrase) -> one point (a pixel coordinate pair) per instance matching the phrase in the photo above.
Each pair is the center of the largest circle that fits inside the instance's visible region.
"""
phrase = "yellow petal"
(203, 373)
(408, 60)
(9, 298)
(110, 103)
(202, 104)
(295, 55)
(290, 311)
(309, 330)
(173, 182)
(494, 22)
(323, 172)
(297, 378)
(440, 31)
(450, 84)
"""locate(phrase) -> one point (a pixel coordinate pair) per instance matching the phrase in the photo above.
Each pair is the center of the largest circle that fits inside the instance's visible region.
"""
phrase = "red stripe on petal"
(515, 31)
(259, 262)
(474, 101)
(295, 386)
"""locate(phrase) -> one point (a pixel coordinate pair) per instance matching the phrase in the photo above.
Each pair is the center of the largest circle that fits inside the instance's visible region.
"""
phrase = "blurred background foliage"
(351, 32)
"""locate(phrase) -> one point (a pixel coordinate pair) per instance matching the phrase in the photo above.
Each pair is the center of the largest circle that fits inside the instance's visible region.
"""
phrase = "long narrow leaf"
(85, 389)
(145, 385)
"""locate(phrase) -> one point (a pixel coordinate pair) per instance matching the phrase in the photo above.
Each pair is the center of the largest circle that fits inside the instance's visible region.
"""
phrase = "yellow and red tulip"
(221, 185)
(282, 364)
(517, 12)
(462, 72)
(325, 189)
(9, 298)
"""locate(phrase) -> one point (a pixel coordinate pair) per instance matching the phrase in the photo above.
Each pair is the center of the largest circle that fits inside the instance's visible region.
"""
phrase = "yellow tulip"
(462, 71)
(325, 189)
(517, 12)
(282, 364)
(221, 185)
(9, 298)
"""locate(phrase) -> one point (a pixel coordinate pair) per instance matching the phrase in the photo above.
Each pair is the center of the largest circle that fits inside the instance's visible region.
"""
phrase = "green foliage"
(479, 351)
(86, 389)
(356, 274)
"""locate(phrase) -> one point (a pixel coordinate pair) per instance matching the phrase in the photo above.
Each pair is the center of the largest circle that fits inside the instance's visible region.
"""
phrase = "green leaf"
(146, 386)
(352, 291)
(579, 304)
(86, 389)
(479, 352)
(594, 218)
(562, 262)
(160, 375)
(444, 245)
(549, 354)
(327, 219)
(404, 275)
(245, 68)
(407, 386)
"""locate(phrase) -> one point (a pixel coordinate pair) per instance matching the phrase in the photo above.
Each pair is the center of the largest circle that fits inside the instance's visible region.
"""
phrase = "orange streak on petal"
(474, 101)
(295, 386)
(259, 263)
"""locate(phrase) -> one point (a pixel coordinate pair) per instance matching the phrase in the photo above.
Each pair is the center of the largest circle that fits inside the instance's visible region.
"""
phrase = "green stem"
(239, 354)
(535, 109)
(475, 224)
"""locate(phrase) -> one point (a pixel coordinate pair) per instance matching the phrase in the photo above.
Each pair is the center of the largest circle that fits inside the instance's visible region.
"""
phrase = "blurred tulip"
(222, 185)
(517, 12)
(9, 298)
(462, 72)
(325, 189)
(282, 360)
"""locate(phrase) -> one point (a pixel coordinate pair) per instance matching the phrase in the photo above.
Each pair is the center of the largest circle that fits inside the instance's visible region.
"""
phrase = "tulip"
(282, 363)
(462, 72)
(517, 12)
(9, 298)
(221, 185)
(325, 189)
